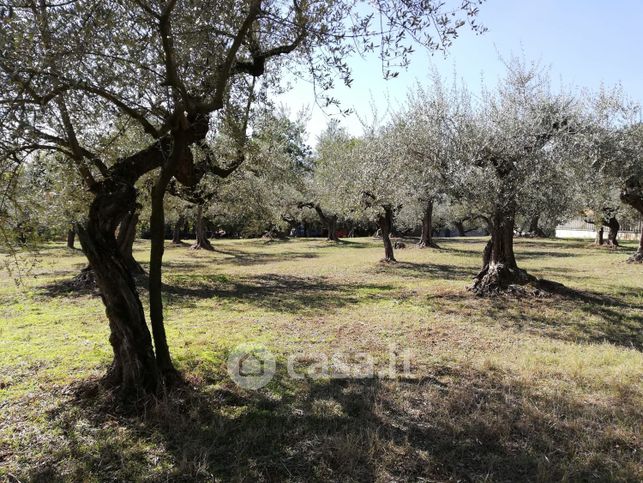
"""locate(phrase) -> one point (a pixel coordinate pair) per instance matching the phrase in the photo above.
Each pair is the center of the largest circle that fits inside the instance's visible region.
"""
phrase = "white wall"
(623, 235)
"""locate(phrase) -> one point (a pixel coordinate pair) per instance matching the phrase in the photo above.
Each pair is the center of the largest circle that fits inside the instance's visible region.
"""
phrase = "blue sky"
(584, 42)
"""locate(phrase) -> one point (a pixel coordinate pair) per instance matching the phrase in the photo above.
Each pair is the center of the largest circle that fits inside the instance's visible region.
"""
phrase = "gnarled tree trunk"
(385, 223)
(71, 237)
(157, 230)
(534, 228)
(499, 262)
(125, 239)
(460, 227)
(202, 242)
(612, 234)
(329, 221)
(426, 238)
(134, 368)
(599, 236)
(176, 232)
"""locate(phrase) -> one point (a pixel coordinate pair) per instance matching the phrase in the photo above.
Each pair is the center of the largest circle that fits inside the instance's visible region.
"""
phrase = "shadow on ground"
(592, 317)
(461, 425)
(426, 270)
(281, 293)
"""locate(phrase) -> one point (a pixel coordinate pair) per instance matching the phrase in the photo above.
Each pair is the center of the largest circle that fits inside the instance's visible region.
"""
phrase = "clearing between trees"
(501, 388)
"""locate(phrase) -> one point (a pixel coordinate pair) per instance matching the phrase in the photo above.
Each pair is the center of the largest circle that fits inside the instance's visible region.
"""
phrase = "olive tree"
(379, 182)
(428, 132)
(517, 140)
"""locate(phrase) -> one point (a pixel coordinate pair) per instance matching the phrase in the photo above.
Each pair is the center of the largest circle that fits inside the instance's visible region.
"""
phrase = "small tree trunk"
(329, 221)
(157, 229)
(612, 234)
(125, 239)
(71, 238)
(534, 228)
(460, 227)
(134, 369)
(500, 269)
(426, 238)
(599, 236)
(385, 222)
(331, 226)
(202, 242)
(176, 232)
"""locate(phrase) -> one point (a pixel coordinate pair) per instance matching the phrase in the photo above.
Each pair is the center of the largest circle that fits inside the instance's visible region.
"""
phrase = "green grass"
(500, 389)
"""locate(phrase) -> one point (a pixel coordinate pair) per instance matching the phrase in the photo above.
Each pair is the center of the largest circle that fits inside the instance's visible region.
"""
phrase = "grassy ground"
(499, 390)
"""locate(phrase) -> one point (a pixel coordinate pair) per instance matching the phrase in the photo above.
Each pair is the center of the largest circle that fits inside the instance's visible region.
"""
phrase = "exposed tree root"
(431, 244)
(637, 257)
(499, 279)
(202, 245)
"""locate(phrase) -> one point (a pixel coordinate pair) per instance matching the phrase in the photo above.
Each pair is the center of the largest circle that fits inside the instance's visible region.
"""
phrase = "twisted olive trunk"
(329, 221)
(157, 231)
(125, 239)
(599, 236)
(176, 232)
(71, 237)
(499, 262)
(385, 223)
(535, 229)
(202, 242)
(134, 368)
(460, 227)
(426, 238)
(612, 235)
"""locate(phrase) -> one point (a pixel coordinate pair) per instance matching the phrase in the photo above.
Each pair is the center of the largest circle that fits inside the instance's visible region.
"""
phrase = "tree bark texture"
(71, 238)
(125, 239)
(500, 269)
(202, 242)
(385, 223)
(599, 236)
(176, 232)
(157, 231)
(426, 238)
(612, 234)
(534, 229)
(134, 368)
(329, 221)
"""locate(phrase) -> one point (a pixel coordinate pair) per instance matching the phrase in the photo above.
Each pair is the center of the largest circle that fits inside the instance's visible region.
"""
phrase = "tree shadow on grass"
(588, 316)
(244, 258)
(527, 255)
(68, 285)
(550, 243)
(281, 293)
(346, 243)
(426, 270)
(464, 253)
(455, 424)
